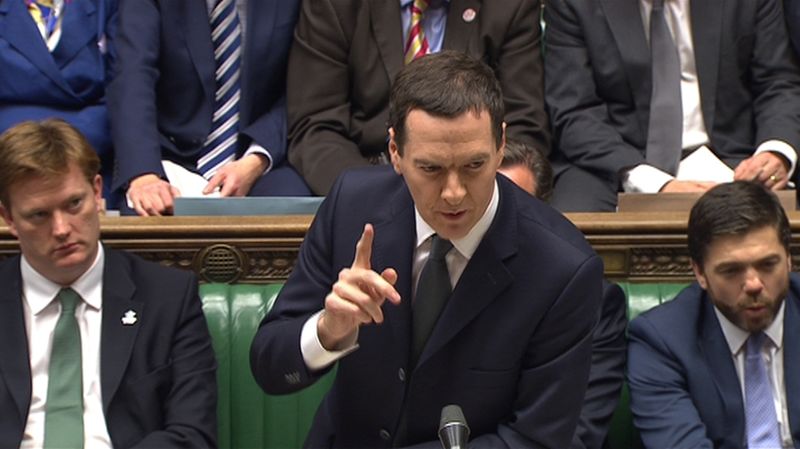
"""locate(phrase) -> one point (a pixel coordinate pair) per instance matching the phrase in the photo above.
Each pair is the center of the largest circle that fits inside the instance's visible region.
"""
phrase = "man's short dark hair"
(445, 84)
(734, 208)
(520, 153)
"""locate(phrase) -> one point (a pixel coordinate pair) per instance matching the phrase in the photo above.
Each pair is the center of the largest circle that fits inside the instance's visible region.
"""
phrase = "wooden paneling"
(634, 246)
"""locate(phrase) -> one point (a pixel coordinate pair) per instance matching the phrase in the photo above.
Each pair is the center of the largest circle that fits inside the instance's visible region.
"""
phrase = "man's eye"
(475, 165)
(429, 168)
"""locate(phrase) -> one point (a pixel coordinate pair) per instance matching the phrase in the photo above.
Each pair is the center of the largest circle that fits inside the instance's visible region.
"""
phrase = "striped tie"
(417, 45)
(220, 147)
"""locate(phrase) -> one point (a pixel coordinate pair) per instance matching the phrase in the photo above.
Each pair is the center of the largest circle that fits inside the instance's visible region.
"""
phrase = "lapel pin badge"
(469, 15)
(129, 319)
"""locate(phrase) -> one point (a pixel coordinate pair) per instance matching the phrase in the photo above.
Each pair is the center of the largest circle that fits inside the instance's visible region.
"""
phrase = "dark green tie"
(433, 290)
(63, 426)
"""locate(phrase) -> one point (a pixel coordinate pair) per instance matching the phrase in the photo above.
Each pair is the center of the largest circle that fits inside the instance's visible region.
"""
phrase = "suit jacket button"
(385, 435)
(401, 374)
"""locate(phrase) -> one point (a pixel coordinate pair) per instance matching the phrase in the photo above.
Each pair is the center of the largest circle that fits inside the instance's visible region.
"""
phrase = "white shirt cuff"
(314, 354)
(255, 148)
(782, 148)
(645, 179)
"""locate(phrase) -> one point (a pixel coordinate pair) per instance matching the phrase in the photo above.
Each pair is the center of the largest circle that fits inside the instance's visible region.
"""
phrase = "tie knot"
(439, 247)
(754, 344)
(69, 300)
(658, 4)
(421, 6)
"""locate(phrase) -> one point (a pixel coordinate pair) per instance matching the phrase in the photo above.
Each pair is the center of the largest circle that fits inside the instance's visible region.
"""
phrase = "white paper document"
(703, 165)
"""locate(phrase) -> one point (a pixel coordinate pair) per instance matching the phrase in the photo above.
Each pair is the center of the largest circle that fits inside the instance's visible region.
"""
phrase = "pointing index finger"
(364, 248)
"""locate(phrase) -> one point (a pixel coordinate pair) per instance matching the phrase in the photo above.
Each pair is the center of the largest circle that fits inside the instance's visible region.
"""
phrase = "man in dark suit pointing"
(464, 289)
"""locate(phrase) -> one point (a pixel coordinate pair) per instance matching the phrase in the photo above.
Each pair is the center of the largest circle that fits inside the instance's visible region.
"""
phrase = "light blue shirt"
(434, 20)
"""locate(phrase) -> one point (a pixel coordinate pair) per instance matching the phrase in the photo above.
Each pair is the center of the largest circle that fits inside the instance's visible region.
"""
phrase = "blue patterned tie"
(226, 34)
(762, 423)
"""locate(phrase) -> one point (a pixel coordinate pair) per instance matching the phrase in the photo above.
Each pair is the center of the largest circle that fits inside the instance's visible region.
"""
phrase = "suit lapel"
(385, 16)
(625, 22)
(395, 239)
(193, 18)
(14, 358)
(722, 371)
(706, 33)
(19, 30)
(791, 362)
(116, 338)
(484, 278)
(80, 20)
(459, 34)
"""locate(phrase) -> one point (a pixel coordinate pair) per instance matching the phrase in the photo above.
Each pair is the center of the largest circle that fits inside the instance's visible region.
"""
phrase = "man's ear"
(699, 275)
(97, 187)
(502, 148)
(394, 152)
(8, 219)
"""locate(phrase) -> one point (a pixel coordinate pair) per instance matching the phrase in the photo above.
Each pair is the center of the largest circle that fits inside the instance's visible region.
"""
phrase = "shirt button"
(401, 374)
(385, 435)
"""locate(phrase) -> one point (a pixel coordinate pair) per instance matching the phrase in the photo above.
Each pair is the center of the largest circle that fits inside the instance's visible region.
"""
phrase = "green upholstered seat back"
(641, 297)
(249, 418)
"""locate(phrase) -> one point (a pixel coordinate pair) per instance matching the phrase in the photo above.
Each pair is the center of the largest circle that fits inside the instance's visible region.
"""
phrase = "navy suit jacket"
(512, 346)
(157, 376)
(598, 80)
(684, 389)
(162, 97)
(68, 83)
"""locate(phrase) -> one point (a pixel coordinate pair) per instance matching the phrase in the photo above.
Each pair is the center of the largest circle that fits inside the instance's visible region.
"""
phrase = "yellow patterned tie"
(44, 14)
(417, 45)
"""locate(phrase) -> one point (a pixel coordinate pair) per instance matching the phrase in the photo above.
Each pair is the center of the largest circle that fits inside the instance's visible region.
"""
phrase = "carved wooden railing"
(643, 247)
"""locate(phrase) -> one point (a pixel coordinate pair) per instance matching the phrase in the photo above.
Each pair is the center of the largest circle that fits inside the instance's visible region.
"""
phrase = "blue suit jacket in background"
(70, 82)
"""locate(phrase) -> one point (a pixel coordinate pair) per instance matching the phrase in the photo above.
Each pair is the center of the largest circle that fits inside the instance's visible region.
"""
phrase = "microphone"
(453, 429)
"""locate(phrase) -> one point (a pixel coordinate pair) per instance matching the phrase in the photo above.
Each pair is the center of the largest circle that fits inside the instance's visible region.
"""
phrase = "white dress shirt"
(41, 313)
(317, 357)
(773, 356)
(646, 178)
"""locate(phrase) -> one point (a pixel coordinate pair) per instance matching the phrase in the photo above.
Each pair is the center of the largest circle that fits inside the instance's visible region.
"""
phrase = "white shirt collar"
(736, 336)
(466, 245)
(39, 291)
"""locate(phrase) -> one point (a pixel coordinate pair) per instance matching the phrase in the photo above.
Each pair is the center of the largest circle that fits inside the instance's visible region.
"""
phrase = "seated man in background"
(200, 95)
(530, 170)
(100, 348)
(719, 366)
(463, 290)
(55, 61)
(347, 53)
(658, 96)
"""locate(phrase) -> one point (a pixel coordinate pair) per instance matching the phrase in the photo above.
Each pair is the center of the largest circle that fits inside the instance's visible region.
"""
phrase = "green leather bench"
(248, 418)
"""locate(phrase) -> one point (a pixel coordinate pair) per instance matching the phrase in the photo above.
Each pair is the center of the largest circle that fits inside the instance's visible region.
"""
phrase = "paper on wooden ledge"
(703, 165)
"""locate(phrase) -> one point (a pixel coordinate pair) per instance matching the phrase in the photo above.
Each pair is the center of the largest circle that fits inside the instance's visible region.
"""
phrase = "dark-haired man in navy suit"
(132, 364)
(719, 366)
(518, 292)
